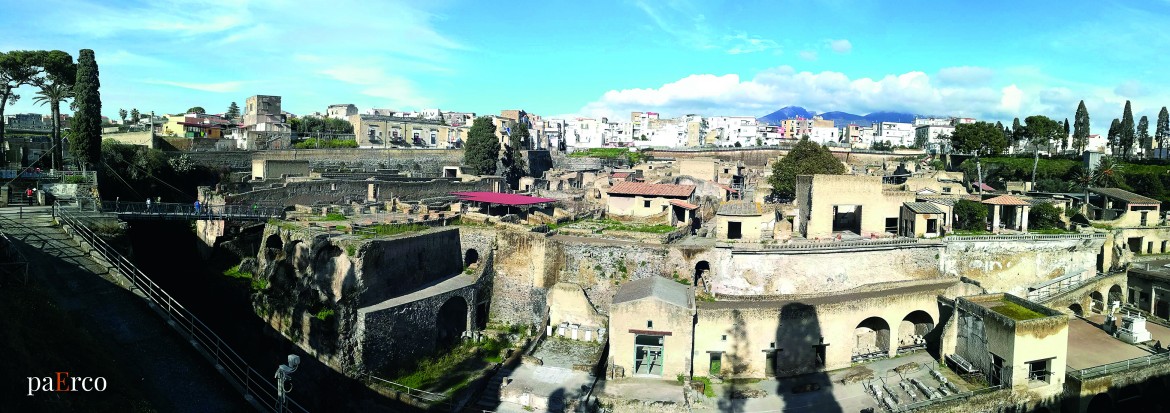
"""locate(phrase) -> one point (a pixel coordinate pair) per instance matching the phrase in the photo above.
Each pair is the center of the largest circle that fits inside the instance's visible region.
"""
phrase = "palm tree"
(54, 94)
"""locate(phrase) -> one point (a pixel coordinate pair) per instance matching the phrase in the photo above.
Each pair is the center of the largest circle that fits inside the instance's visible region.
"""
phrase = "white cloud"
(913, 92)
(742, 43)
(1131, 89)
(809, 55)
(393, 90)
(965, 75)
(841, 45)
(217, 87)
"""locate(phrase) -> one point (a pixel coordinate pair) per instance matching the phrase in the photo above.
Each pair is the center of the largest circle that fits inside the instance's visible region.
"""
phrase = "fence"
(171, 210)
(953, 397)
(1023, 237)
(815, 245)
(1118, 367)
(426, 396)
(258, 388)
(1062, 285)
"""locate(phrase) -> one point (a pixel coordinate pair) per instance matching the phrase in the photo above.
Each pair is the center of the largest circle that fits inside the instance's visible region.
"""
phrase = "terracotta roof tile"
(1006, 200)
(645, 189)
(683, 204)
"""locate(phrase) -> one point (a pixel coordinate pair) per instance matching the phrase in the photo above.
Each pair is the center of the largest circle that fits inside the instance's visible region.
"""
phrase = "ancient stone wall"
(796, 272)
(344, 192)
(394, 267)
(1012, 266)
(416, 162)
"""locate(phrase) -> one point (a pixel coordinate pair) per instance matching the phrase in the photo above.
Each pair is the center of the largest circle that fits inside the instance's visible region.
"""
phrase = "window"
(649, 323)
(725, 337)
(1038, 371)
(645, 204)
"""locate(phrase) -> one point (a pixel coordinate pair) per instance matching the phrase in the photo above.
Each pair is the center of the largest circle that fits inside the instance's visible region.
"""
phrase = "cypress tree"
(86, 145)
(482, 149)
(1162, 129)
(1081, 128)
(1125, 135)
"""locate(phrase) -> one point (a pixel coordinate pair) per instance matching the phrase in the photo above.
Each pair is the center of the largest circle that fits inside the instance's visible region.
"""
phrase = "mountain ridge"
(839, 118)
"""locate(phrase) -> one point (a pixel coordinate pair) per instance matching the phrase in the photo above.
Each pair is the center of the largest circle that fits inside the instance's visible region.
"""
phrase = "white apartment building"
(824, 134)
(584, 132)
(341, 111)
(734, 129)
(933, 122)
(934, 138)
(897, 133)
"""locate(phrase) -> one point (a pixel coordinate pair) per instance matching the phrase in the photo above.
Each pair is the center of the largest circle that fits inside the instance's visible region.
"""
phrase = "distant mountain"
(839, 118)
(787, 112)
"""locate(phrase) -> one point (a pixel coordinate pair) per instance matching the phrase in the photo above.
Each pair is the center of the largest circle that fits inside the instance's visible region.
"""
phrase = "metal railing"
(15, 263)
(423, 395)
(960, 396)
(1046, 293)
(171, 210)
(1118, 367)
(1023, 237)
(259, 388)
(815, 245)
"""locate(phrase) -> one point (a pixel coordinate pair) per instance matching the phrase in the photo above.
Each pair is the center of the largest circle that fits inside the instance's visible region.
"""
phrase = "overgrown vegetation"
(1146, 177)
(631, 157)
(970, 215)
(257, 283)
(332, 216)
(1044, 216)
(613, 225)
(1016, 312)
(805, 158)
(324, 314)
(314, 143)
(391, 229)
(449, 371)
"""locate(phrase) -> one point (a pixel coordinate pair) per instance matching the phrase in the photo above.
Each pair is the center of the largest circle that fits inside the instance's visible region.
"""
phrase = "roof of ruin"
(645, 189)
(1124, 195)
(1006, 200)
(922, 207)
(740, 208)
(501, 199)
(683, 204)
(655, 287)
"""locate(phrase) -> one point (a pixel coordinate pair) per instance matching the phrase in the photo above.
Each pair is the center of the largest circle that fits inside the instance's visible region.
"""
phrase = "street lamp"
(283, 377)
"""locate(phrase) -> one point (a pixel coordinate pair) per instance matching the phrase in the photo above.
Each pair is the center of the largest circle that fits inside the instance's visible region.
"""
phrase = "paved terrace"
(450, 284)
(1090, 346)
(856, 294)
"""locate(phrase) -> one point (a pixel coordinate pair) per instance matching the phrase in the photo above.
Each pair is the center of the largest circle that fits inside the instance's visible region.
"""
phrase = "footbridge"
(189, 212)
(69, 228)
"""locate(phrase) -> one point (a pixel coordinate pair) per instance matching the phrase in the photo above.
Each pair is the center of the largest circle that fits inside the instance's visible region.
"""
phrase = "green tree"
(970, 215)
(483, 148)
(1125, 138)
(1162, 129)
(1018, 132)
(1081, 128)
(980, 138)
(86, 142)
(1143, 135)
(1108, 173)
(135, 116)
(1064, 136)
(512, 161)
(805, 158)
(1114, 136)
(122, 115)
(16, 69)
(233, 111)
(196, 109)
(1042, 130)
(1044, 216)
(56, 74)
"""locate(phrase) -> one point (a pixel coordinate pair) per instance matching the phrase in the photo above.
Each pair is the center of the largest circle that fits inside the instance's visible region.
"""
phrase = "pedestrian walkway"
(175, 377)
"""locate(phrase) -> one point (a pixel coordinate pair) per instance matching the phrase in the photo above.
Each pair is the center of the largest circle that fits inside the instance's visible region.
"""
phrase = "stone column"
(995, 212)
(1024, 218)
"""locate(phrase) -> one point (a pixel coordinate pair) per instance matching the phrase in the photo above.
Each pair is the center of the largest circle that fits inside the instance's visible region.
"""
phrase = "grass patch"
(1050, 231)
(235, 272)
(1016, 311)
(332, 216)
(708, 390)
(969, 232)
(391, 229)
(314, 143)
(324, 314)
(613, 225)
(633, 157)
(1102, 226)
(716, 367)
(449, 371)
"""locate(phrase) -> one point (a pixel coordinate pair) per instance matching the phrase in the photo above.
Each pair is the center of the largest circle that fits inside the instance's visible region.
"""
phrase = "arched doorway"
(451, 322)
(1115, 295)
(871, 339)
(1100, 403)
(702, 271)
(273, 246)
(1076, 309)
(1096, 302)
(913, 330)
(470, 258)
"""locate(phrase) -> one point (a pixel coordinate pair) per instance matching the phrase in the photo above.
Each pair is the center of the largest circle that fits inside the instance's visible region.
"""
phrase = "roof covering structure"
(1006, 200)
(1128, 197)
(740, 208)
(645, 189)
(657, 287)
(922, 207)
(683, 204)
(501, 198)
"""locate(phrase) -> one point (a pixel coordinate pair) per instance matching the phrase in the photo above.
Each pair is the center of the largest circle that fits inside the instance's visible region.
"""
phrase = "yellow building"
(743, 220)
(389, 131)
(651, 324)
(829, 204)
(665, 203)
(1016, 342)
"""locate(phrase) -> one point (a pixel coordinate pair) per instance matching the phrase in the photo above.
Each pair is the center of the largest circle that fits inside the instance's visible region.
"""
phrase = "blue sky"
(994, 61)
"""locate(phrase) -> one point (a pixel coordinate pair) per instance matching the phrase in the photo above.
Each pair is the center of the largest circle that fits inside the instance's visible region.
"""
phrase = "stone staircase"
(490, 399)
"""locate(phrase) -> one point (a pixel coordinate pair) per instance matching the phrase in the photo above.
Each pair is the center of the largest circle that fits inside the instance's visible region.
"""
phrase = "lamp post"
(283, 377)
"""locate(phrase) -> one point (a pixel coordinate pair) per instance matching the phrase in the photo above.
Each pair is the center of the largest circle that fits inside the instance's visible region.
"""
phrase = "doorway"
(734, 230)
(648, 354)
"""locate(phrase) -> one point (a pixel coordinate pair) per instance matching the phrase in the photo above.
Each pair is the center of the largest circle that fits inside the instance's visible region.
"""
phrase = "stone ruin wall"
(1012, 266)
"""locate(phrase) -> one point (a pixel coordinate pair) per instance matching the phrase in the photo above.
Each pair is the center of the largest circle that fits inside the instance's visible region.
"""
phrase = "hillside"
(839, 118)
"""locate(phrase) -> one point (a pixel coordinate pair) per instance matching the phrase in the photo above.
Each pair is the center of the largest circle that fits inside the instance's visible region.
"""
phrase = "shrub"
(1044, 216)
(970, 215)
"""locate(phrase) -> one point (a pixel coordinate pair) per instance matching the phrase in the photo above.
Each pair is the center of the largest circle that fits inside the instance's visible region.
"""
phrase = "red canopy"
(501, 199)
